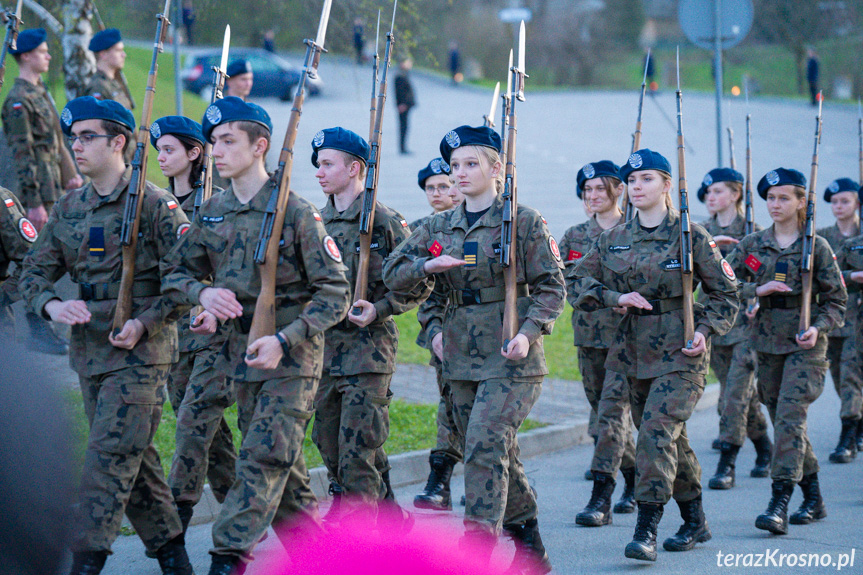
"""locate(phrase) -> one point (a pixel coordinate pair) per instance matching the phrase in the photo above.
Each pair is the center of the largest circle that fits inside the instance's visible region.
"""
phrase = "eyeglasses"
(86, 139)
(441, 189)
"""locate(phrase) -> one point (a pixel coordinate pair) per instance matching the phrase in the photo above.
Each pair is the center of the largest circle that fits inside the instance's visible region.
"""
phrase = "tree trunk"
(78, 62)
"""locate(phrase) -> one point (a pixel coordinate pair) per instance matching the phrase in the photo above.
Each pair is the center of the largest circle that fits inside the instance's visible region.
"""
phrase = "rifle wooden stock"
(685, 232)
(747, 194)
(121, 76)
(138, 183)
(809, 233)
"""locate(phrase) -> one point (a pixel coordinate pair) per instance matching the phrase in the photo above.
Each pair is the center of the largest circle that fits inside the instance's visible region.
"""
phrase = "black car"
(274, 76)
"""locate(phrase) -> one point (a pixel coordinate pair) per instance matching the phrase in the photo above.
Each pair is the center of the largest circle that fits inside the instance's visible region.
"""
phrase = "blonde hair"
(491, 157)
(737, 187)
(800, 192)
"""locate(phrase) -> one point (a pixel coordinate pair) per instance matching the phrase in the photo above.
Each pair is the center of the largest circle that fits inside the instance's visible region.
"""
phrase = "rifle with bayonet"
(685, 229)
(629, 210)
(138, 182)
(13, 24)
(809, 231)
(488, 120)
(747, 193)
(508, 227)
(120, 75)
(373, 107)
(367, 211)
(267, 249)
(504, 112)
(731, 161)
(204, 185)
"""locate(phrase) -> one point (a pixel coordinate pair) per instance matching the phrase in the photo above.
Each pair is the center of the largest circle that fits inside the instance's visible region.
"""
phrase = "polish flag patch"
(172, 205)
(436, 249)
(573, 255)
(711, 243)
(17, 106)
(404, 223)
(752, 263)
(10, 203)
(317, 216)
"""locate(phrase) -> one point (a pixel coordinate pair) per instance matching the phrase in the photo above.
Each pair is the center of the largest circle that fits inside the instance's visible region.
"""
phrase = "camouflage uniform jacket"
(17, 234)
(435, 300)
(36, 142)
(737, 230)
(311, 289)
(102, 87)
(850, 259)
(82, 237)
(628, 259)
(472, 334)
(592, 329)
(349, 349)
(835, 238)
(755, 259)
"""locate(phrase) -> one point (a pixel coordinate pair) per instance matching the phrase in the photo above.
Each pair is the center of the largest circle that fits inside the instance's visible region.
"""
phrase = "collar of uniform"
(96, 200)
(29, 86)
(594, 230)
(258, 202)
(667, 230)
(770, 242)
(489, 219)
(352, 213)
(736, 223)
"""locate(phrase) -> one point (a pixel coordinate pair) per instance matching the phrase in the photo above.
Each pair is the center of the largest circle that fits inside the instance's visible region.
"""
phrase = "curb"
(412, 467)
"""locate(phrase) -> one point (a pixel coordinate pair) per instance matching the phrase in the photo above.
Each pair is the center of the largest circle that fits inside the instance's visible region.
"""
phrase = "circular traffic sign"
(698, 21)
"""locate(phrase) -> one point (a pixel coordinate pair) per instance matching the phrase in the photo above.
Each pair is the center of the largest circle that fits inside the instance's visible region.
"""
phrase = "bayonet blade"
(509, 76)
(322, 26)
(646, 64)
(678, 68)
(521, 55)
(494, 98)
(393, 23)
(18, 9)
(223, 64)
(378, 33)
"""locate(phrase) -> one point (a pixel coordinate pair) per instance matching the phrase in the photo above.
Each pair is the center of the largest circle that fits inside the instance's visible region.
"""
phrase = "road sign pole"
(717, 72)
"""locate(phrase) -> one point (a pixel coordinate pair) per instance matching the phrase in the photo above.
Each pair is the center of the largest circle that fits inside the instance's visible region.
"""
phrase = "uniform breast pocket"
(289, 263)
(70, 236)
(214, 244)
(617, 272)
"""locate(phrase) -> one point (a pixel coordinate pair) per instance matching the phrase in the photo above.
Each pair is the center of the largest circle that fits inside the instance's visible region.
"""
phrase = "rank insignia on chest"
(436, 249)
(573, 255)
(618, 248)
(374, 245)
(752, 263)
(97, 243)
(470, 251)
(670, 264)
(780, 274)
(172, 205)
(10, 203)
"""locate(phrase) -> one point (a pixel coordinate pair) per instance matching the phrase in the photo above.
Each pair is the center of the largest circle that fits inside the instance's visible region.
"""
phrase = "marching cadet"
(240, 79)
(442, 195)
(791, 365)
(110, 53)
(637, 266)
(352, 402)
(732, 357)
(850, 259)
(493, 389)
(123, 375)
(599, 187)
(842, 353)
(199, 393)
(43, 164)
(276, 376)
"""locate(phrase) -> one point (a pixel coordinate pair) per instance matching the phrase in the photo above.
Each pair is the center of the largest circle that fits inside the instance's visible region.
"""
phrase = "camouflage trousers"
(352, 422)
(608, 397)
(199, 395)
(272, 483)
(847, 373)
(787, 384)
(449, 440)
(488, 414)
(665, 464)
(740, 414)
(122, 472)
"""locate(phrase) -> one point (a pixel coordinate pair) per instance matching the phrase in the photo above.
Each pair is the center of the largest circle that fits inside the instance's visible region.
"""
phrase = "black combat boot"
(626, 503)
(763, 450)
(812, 508)
(173, 559)
(88, 562)
(775, 518)
(846, 450)
(530, 555)
(694, 529)
(436, 494)
(227, 565)
(643, 544)
(598, 510)
(334, 513)
(724, 478)
(860, 434)
(43, 337)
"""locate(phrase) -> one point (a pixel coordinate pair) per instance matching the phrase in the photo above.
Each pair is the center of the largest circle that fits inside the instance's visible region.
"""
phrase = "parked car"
(274, 76)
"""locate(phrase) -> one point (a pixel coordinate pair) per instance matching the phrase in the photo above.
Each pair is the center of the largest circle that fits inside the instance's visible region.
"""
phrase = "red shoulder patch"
(28, 230)
(752, 263)
(555, 251)
(436, 249)
(573, 255)
(183, 229)
(332, 249)
(728, 270)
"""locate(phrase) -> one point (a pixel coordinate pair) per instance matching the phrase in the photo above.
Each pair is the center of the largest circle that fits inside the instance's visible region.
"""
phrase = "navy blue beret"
(595, 170)
(436, 167)
(104, 39)
(840, 185)
(29, 40)
(238, 67)
(780, 177)
(342, 140)
(233, 109)
(718, 175)
(644, 160)
(176, 126)
(469, 136)
(89, 108)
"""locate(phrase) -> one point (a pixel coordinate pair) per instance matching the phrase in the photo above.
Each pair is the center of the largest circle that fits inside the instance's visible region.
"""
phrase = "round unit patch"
(728, 270)
(707, 181)
(318, 140)
(635, 160)
(214, 115)
(772, 178)
(332, 249)
(834, 186)
(588, 170)
(155, 130)
(183, 229)
(28, 230)
(452, 139)
(436, 166)
(555, 251)
(66, 116)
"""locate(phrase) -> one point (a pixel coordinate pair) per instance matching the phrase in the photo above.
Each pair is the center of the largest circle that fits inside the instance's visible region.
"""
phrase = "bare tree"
(78, 62)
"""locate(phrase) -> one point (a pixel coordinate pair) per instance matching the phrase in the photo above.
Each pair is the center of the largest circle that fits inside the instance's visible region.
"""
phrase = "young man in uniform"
(110, 53)
(274, 377)
(122, 375)
(352, 403)
(240, 79)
